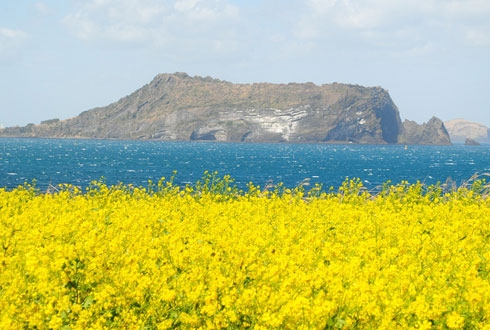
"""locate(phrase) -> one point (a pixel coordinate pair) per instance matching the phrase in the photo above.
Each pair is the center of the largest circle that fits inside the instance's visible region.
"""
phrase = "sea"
(50, 162)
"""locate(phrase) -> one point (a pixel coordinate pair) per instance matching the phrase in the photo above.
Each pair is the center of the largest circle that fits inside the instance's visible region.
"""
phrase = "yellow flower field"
(210, 256)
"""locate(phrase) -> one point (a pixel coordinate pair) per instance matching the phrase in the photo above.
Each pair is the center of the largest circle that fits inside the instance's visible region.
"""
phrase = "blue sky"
(59, 58)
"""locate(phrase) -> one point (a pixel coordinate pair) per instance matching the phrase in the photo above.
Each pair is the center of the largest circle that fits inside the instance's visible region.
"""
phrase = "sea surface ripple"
(54, 161)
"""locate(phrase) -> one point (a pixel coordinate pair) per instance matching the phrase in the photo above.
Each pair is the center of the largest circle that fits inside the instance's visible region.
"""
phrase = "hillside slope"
(180, 107)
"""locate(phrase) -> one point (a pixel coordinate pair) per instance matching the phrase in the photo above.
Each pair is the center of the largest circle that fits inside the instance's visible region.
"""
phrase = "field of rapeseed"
(210, 256)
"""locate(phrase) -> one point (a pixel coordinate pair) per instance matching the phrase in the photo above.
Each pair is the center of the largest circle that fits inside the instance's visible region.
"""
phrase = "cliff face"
(431, 133)
(459, 130)
(180, 107)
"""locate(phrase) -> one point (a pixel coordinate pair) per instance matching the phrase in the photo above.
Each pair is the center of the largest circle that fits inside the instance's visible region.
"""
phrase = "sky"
(61, 57)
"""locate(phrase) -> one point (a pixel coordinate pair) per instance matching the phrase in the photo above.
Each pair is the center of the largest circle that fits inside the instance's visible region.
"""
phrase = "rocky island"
(463, 130)
(180, 107)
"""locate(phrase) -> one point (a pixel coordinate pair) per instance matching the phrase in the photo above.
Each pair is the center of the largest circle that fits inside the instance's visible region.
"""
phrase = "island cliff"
(461, 130)
(180, 107)
(432, 132)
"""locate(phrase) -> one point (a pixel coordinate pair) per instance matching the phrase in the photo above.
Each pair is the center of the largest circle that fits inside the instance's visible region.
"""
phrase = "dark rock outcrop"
(431, 133)
(180, 107)
(471, 142)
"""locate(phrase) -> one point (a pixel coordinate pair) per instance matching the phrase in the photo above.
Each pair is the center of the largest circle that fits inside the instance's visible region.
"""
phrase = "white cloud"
(479, 37)
(13, 35)
(117, 21)
(351, 14)
(185, 5)
(205, 29)
(10, 42)
(219, 8)
(463, 8)
(396, 24)
(42, 8)
(371, 23)
(151, 22)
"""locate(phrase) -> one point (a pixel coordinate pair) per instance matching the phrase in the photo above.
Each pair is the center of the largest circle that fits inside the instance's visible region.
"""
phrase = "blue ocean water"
(78, 162)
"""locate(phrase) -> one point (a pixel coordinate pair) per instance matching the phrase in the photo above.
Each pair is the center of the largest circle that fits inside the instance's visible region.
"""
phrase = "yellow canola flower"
(455, 321)
(126, 257)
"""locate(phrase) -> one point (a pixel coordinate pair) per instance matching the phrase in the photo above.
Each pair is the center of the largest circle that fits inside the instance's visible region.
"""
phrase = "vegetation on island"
(209, 255)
